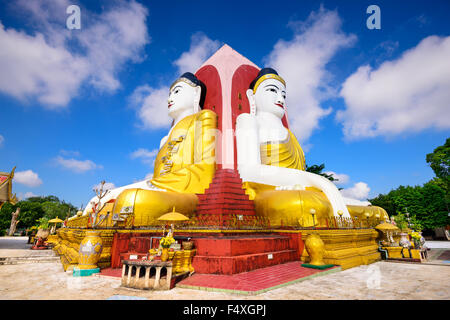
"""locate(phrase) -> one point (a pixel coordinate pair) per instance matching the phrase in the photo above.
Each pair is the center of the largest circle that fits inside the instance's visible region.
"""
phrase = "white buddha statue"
(185, 163)
(272, 165)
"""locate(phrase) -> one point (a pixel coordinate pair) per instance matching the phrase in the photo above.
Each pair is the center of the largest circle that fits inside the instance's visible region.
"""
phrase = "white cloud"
(29, 195)
(200, 50)
(32, 68)
(409, 94)
(151, 102)
(106, 186)
(152, 106)
(356, 202)
(28, 178)
(302, 63)
(2, 140)
(78, 166)
(145, 155)
(51, 64)
(342, 178)
(360, 191)
(118, 35)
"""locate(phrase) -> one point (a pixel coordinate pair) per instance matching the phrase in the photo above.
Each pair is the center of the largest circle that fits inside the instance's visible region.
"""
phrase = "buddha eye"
(272, 89)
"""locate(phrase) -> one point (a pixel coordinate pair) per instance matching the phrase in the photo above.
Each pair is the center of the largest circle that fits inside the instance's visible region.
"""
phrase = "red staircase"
(223, 254)
(225, 196)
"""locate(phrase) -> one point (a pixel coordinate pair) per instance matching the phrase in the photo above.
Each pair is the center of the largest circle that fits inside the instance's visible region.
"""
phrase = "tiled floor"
(252, 282)
(256, 281)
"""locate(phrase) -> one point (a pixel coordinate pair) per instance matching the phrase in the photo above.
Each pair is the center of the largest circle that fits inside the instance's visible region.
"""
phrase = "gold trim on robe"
(286, 153)
(186, 163)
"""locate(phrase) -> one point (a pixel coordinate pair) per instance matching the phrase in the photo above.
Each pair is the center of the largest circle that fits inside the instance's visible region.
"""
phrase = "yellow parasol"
(56, 220)
(173, 216)
(386, 227)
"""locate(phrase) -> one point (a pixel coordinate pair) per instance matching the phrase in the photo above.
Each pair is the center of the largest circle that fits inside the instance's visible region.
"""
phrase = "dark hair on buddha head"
(193, 80)
(261, 73)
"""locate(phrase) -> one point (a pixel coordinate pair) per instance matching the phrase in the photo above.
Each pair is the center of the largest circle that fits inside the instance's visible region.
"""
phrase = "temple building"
(231, 164)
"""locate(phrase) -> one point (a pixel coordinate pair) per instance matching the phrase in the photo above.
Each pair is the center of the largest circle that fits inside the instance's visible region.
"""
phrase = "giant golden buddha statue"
(272, 164)
(184, 166)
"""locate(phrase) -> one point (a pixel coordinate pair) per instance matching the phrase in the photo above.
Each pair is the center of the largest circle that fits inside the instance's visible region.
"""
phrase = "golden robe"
(186, 162)
(286, 154)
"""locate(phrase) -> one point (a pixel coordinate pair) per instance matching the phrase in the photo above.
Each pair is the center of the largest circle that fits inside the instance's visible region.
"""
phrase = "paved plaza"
(378, 281)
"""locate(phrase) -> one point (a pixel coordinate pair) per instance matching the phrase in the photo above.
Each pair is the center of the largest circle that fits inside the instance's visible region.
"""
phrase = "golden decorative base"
(346, 247)
(181, 260)
(52, 239)
(396, 253)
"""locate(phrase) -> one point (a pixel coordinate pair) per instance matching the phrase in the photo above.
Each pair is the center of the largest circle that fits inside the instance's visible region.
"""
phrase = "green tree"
(439, 161)
(33, 209)
(5, 215)
(401, 221)
(426, 204)
(435, 203)
(317, 169)
(386, 202)
(30, 212)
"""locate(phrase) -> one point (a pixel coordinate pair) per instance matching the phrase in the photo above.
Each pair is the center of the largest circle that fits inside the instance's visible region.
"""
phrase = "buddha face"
(270, 96)
(182, 99)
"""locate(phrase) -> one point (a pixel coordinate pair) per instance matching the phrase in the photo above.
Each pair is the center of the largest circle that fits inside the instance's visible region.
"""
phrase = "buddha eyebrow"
(272, 85)
(176, 87)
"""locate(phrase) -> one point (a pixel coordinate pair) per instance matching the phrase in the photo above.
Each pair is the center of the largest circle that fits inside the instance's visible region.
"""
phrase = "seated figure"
(185, 163)
(272, 165)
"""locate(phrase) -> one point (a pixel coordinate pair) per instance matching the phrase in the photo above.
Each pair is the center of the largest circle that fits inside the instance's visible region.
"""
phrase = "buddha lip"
(170, 104)
(280, 105)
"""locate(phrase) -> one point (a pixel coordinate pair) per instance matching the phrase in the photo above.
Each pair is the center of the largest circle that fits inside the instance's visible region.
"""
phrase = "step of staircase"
(241, 263)
(236, 254)
(240, 245)
(43, 256)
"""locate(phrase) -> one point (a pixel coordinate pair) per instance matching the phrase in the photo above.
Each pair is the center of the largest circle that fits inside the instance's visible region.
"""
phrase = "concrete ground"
(378, 281)
(14, 247)
(438, 244)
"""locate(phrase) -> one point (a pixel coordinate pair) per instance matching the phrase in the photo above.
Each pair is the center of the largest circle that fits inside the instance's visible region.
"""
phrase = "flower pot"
(404, 240)
(43, 233)
(417, 244)
(165, 254)
(90, 250)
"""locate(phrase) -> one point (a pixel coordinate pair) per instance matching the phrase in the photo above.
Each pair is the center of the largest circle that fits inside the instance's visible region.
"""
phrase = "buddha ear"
(197, 94)
(251, 100)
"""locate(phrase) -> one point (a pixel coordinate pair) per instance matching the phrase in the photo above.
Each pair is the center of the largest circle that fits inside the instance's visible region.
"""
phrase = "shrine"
(231, 166)
(6, 194)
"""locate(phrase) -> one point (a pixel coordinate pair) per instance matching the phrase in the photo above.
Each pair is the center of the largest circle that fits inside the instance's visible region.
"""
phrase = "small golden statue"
(315, 248)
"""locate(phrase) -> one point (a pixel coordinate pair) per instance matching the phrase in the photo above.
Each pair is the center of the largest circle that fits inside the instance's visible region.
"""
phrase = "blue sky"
(81, 106)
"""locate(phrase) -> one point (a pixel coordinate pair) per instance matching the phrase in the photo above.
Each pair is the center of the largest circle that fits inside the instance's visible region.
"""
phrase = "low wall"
(345, 247)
